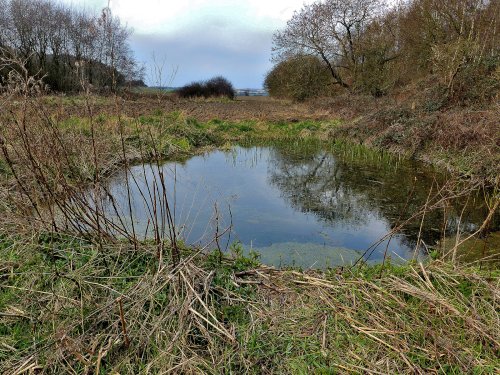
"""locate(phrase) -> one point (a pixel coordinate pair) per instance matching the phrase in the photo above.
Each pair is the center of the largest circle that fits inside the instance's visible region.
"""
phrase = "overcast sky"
(203, 38)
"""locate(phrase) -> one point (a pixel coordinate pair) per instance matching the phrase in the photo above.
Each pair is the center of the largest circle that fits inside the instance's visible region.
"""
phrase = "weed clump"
(215, 87)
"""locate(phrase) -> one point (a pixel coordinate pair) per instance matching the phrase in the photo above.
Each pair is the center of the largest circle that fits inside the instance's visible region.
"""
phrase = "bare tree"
(330, 30)
(57, 39)
(5, 26)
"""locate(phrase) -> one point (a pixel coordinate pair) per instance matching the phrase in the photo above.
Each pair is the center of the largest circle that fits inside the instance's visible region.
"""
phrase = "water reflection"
(300, 204)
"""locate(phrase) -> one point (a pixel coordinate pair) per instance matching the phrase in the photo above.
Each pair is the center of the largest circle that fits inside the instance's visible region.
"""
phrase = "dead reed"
(81, 293)
(85, 309)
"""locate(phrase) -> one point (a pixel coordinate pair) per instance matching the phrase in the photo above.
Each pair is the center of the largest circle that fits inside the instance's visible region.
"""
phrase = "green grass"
(399, 318)
(60, 295)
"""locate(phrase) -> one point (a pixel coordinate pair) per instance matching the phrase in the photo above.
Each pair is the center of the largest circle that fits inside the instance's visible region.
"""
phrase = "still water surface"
(296, 204)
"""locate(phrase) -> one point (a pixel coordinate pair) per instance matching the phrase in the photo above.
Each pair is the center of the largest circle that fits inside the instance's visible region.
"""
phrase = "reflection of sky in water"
(262, 214)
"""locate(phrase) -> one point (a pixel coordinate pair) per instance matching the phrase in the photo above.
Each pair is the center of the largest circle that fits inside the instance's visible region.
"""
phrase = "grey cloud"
(214, 48)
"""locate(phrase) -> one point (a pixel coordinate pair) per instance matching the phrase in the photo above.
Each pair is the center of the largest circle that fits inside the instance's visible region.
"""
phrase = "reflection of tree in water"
(345, 190)
(312, 182)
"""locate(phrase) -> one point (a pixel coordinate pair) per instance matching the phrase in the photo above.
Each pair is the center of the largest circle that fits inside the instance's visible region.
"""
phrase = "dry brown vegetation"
(83, 299)
(241, 109)
(462, 139)
(213, 316)
(82, 293)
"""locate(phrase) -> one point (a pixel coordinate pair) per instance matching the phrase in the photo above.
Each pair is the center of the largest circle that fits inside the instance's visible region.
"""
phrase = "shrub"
(298, 78)
(192, 90)
(219, 86)
(467, 74)
(215, 87)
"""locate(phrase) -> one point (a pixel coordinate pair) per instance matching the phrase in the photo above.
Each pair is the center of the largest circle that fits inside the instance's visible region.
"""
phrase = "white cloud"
(157, 16)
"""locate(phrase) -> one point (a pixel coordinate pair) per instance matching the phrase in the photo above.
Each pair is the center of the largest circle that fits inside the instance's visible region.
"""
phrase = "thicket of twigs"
(377, 47)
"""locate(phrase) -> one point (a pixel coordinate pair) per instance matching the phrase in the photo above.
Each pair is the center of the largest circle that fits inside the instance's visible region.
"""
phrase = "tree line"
(369, 47)
(67, 46)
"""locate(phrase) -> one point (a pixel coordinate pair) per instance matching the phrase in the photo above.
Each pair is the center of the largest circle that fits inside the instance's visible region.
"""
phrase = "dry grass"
(243, 108)
(118, 310)
(462, 139)
(415, 320)
(93, 298)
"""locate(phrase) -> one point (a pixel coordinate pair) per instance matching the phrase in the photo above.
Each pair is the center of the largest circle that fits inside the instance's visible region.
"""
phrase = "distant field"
(239, 92)
(243, 108)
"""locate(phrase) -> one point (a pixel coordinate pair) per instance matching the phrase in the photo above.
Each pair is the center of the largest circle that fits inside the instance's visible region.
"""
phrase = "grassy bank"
(414, 123)
(70, 306)
(55, 153)
(80, 302)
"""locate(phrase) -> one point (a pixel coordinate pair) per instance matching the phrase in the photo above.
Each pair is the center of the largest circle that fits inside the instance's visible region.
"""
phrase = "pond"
(302, 204)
